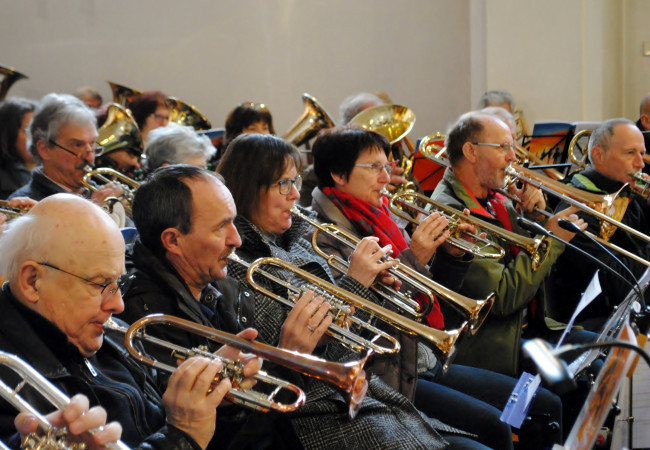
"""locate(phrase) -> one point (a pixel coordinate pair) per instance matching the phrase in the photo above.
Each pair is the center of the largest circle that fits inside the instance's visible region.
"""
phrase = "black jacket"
(109, 378)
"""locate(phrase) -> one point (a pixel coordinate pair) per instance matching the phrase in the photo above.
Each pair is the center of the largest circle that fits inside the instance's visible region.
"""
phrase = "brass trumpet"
(476, 310)
(54, 438)
(107, 175)
(609, 208)
(341, 313)
(443, 340)
(349, 376)
(10, 211)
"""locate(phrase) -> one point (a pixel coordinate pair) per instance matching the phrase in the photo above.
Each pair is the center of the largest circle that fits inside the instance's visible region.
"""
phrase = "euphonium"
(340, 311)
(476, 310)
(54, 438)
(537, 248)
(119, 131)
(9, 77)
(609, 208)
(349, 376)
(313, 119)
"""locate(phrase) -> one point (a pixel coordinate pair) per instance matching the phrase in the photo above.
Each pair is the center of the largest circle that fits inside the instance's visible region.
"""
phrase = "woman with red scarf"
(352, 169)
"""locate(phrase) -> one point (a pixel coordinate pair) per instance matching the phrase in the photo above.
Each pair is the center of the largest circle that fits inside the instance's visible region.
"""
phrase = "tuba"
(187, 115)
(8, 77)
(349, 376)
(123, 95)
(54, 438)
(119, 131)
(313, 119)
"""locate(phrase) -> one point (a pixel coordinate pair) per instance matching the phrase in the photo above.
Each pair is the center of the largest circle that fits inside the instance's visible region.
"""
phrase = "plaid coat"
(386, 418)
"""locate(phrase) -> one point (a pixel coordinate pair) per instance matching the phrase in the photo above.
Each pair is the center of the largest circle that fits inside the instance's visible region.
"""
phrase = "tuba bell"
(185, 114)
(119, 132)
(313, 119)
(9, 76)
(123, 95)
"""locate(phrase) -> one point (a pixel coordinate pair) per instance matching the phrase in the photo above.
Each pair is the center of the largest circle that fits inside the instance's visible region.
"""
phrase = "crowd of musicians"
(206, 215)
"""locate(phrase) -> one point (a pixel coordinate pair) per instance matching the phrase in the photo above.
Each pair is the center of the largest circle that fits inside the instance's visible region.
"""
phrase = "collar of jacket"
(464, 195)
(593, 181)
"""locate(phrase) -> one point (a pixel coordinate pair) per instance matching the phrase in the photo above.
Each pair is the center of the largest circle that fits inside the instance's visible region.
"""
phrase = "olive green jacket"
(496, 345)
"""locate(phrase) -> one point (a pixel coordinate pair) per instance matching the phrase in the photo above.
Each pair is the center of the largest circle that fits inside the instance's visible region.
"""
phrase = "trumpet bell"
(123, 95)
(119, 132)
(392, 121)
(313, 119)
(187, 115)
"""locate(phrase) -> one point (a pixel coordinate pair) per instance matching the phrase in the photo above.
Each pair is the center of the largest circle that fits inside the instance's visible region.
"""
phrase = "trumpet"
(341, 313)
(476, 310)
(609, 208)
(349, 376)
(104, 175)
(443, 341)
(54, 438)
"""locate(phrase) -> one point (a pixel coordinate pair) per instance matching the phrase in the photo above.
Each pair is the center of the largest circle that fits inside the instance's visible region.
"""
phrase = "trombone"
(54, 438)
(341, 313)
(476, 310)
(443, 340)
(609, 208)
(349, 376)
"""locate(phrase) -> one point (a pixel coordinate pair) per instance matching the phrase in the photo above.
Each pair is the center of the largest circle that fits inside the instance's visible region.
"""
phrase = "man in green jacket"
(480, 147)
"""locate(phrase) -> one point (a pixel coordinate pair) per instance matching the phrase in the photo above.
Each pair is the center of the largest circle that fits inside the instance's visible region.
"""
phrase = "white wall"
(216, 54)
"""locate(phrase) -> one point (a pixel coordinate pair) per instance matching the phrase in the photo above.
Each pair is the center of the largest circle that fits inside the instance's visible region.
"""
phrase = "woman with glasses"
(262, 175)
(353, 170)
(150, 111)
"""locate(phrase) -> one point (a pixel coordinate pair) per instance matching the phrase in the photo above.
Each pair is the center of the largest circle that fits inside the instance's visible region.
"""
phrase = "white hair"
(25, 237)
(173, 144)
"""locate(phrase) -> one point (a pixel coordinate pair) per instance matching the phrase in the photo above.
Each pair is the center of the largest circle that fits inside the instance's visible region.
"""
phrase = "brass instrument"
(580, 161)
(187, 115)
(394, 122)
(349, 376)
(609, 208)
(9, 211)
(340, 311)
(313, 119)
(119, 131)
(54, 438)
(123, 95)
(9, 77)
(443, 340)
(107, 175)
(643, 184)
(476, 310)
(412, 200)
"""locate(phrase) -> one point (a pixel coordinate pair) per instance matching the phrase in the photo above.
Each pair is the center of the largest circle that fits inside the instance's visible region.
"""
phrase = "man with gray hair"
(176, 144)
(63, 138)
(497, 97)
(616, 151)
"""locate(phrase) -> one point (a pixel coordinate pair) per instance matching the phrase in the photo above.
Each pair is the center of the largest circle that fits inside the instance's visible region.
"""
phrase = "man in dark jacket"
(616, 151)
(63, 261)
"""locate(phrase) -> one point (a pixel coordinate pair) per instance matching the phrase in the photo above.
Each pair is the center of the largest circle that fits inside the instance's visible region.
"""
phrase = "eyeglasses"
(119, 285)
(505, 147)
(376, 167)
(160, 117)
(286, 184)
(96, 149)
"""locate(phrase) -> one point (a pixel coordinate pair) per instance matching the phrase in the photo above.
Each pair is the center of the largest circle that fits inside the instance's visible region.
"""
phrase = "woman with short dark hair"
(16, 163)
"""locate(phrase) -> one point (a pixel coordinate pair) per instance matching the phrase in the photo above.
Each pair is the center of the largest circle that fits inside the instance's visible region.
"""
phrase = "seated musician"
(63, 137)
(264, 198)
(616, 150)
(176, 144)
(124, 156)
(150, 111)
(64, 260)
(16, 163)
(349, 195)
(480, 147)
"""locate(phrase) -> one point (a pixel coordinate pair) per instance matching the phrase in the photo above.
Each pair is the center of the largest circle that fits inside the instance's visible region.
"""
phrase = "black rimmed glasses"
(96, 149)
(286, 184)
(505, 147)
(376, 167)
(120, 284)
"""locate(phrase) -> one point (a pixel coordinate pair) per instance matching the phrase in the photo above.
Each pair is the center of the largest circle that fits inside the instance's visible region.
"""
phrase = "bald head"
(62, 228)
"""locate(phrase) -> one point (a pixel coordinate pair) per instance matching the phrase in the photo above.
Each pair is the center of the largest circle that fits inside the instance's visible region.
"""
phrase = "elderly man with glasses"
(480, 147)
(63, 138)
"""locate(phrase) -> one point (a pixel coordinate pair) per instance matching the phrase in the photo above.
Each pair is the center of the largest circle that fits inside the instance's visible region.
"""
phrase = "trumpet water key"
(349, 376)
(53, 438)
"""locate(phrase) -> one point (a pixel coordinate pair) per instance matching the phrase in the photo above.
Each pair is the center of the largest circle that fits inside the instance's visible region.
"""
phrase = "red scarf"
(373, 221)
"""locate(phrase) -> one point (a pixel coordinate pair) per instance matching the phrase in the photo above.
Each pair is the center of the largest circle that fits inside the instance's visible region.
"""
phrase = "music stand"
(550, 141)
